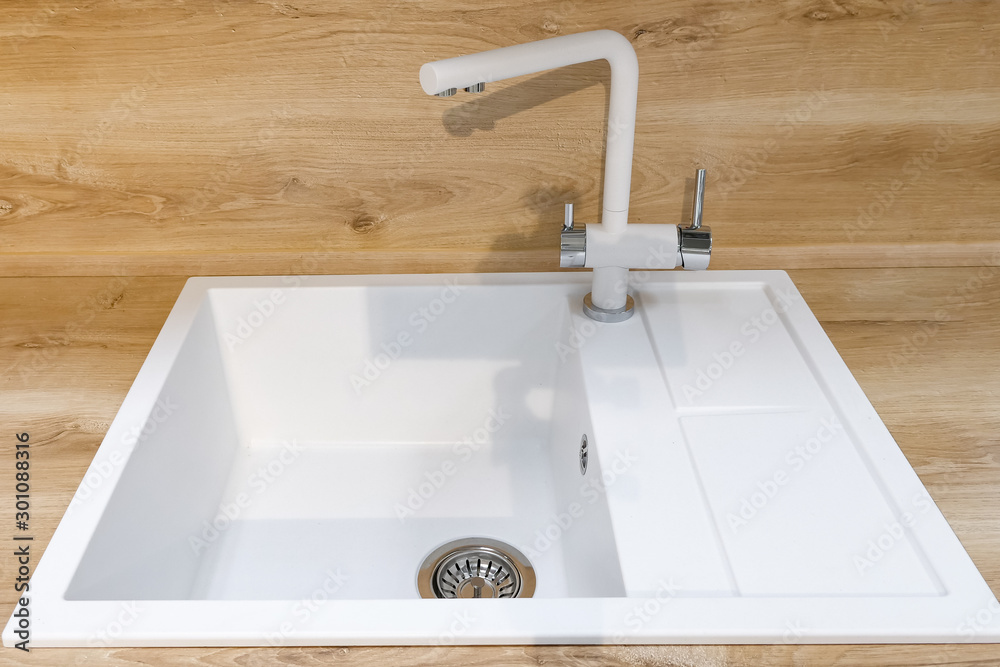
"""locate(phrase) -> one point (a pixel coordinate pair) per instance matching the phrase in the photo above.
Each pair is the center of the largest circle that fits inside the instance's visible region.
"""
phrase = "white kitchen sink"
(294, 448)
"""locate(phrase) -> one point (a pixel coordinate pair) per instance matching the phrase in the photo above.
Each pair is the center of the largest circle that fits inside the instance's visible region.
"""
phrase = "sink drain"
(476, 568)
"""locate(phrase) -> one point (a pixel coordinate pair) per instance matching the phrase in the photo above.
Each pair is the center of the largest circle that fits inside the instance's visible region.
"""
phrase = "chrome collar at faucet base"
(605, 315)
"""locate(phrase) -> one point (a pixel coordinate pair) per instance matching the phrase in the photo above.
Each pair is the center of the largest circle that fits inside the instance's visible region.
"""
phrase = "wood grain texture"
(174, 139)
(292, 137)
(923, 343)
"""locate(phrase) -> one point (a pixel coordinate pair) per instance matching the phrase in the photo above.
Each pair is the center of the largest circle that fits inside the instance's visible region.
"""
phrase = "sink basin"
(294, 448)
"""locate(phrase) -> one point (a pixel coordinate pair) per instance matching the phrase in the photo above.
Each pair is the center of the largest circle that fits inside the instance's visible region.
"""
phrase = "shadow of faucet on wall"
(543, 200)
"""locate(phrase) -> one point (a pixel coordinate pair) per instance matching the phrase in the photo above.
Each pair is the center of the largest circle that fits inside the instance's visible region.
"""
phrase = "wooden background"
(236, 137)
(857, 141)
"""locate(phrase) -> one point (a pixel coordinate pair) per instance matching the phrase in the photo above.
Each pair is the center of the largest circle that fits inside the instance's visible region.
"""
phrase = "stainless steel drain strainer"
(476, 567)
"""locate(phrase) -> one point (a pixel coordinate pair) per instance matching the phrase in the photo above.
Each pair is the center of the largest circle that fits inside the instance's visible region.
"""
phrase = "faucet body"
(611, 247)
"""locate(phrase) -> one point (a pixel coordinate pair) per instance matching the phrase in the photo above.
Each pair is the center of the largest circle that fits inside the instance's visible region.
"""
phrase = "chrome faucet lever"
(572, 242)
(696, 241)
(699, 199)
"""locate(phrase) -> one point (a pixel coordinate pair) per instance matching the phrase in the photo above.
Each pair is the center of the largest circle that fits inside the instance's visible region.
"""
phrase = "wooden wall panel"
(271, 137)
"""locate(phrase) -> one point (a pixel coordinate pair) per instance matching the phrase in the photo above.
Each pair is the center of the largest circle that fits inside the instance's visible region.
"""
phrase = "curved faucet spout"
(521, 59)
(612, 247)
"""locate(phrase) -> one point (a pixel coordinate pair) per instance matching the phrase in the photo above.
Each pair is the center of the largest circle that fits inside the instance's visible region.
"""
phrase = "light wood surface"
(70, 348)
(252, 137)
(144, 142)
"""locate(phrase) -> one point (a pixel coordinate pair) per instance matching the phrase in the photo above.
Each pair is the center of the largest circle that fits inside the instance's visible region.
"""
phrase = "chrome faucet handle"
(695, 245)
(572, 243)
(699, 199)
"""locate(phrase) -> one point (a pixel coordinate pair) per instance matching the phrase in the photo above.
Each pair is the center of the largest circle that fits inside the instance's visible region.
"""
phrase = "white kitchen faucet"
(612, 247)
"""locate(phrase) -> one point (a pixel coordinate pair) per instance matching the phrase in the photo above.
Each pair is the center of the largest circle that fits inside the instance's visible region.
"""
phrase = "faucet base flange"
(605, 315)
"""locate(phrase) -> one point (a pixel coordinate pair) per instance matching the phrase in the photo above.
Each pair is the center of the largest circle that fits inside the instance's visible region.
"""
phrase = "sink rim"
(570, 620)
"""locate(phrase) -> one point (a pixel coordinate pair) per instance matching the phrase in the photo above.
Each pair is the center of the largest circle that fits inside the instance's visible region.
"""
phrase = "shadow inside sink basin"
(292, 448)
(326, 440)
